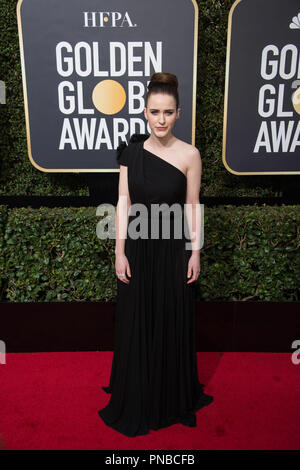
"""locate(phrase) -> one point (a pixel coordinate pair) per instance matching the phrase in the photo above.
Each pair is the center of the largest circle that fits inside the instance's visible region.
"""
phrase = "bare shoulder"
(187, 149)
(190, 153)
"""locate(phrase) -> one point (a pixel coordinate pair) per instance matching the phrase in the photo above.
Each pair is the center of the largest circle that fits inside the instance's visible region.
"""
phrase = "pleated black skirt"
(154, 380)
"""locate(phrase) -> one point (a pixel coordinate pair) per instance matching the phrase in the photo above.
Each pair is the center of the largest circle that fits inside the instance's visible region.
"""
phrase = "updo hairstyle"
(163, 82)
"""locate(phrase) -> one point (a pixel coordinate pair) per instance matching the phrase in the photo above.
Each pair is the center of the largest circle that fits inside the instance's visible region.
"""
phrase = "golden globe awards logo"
(276, 133)
(108, 96)
(261, 133)
(85, 74)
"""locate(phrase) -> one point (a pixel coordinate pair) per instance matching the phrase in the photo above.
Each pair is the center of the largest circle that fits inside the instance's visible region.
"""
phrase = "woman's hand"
(122, 268)
(194, 267)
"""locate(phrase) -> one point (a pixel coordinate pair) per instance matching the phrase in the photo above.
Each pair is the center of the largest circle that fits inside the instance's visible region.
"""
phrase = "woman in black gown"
(154, 380)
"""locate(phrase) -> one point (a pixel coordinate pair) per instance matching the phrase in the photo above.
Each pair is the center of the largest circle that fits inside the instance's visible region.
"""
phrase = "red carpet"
(50, 401)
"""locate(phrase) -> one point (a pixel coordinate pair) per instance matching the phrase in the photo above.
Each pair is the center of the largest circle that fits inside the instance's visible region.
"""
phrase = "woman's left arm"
(193, 211)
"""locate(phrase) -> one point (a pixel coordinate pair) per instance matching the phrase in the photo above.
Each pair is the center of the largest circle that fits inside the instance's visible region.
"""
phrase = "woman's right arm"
(123, 206)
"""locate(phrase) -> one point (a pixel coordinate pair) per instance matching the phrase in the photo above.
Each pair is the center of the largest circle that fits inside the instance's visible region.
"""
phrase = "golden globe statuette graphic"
(109, 97)
(296, 100)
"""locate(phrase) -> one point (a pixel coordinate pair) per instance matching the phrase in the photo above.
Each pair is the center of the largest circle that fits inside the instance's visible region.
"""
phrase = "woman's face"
(161, 113)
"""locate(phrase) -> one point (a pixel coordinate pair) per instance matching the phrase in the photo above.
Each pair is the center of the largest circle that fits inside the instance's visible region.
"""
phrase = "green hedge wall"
(249, 253)
(19, 177)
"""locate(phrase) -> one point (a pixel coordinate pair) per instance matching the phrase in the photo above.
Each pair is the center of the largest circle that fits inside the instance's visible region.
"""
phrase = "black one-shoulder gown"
(154, 380)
